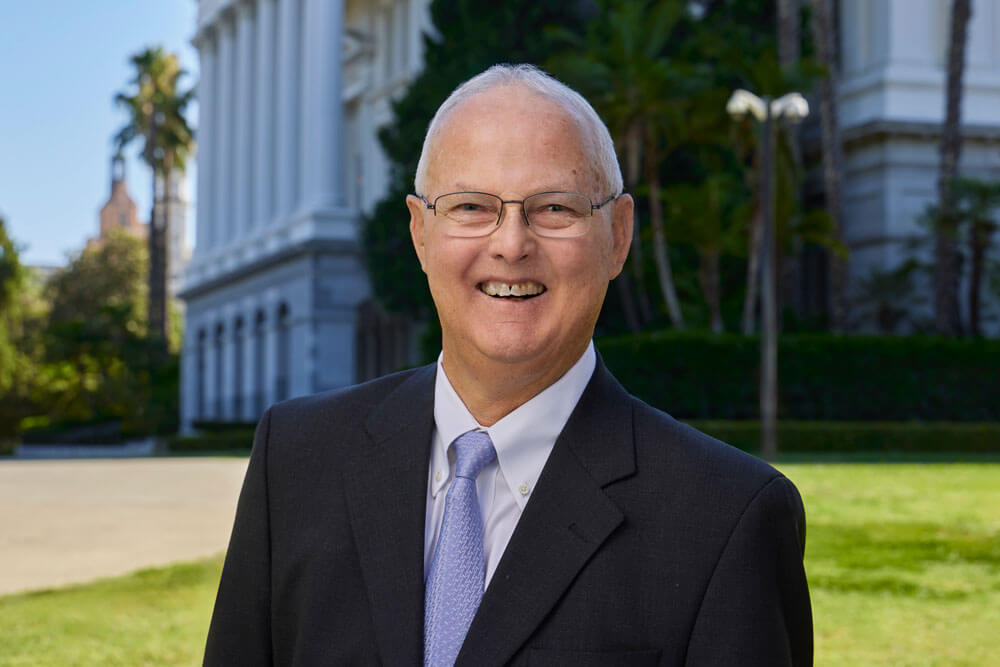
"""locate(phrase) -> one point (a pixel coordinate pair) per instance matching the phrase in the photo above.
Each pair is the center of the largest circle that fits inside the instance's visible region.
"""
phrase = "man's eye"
(469, 207)
(555, 208)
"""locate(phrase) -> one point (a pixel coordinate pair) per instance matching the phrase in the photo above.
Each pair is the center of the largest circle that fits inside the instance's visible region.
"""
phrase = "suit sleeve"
(240, 632)
(756, 607)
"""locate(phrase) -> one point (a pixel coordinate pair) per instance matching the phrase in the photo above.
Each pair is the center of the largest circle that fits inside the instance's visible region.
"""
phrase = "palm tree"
(947, 319)
(789, 38)
(156, 115)
(765, 75)
(977, 202)
(620, 65)
(705, 216)
(823, 38)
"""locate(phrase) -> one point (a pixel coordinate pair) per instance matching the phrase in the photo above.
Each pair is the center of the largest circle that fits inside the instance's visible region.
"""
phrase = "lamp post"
(793, 107)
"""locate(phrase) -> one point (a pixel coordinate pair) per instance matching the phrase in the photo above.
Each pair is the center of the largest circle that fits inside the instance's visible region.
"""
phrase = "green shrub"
(820, 376)
(102, 432)
(223, 440)
(217, 426)
(846, 437)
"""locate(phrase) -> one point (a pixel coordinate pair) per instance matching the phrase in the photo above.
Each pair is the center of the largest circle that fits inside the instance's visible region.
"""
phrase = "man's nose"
(513, 240)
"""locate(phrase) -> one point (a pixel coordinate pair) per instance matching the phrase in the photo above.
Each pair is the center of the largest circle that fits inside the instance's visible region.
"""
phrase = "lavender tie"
(455, 582)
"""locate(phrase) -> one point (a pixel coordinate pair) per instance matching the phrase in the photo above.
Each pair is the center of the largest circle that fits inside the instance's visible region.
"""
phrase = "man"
(511, 503)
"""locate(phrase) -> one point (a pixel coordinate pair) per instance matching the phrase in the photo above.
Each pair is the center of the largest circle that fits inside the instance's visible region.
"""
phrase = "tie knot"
(473, 452)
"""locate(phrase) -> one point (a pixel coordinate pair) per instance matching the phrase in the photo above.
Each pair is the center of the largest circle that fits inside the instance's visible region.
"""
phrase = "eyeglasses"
(550, 214)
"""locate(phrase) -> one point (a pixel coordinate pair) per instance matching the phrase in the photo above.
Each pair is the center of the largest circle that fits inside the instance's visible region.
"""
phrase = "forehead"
(512, 137)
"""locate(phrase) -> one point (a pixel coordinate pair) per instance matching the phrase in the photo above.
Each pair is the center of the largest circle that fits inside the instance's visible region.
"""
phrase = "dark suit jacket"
(645, 542)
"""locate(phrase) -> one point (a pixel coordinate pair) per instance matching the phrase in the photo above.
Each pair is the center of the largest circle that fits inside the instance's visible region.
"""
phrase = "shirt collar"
(524, 438)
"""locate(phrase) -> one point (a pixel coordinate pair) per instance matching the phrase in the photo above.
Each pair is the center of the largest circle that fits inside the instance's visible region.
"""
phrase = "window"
(284, 353)
(259, 359)
(199, 386)
(238, 370)
(220, 332)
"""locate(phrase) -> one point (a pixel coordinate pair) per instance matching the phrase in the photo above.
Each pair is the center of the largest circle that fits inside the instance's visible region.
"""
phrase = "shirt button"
(437, 476)
(524, 489)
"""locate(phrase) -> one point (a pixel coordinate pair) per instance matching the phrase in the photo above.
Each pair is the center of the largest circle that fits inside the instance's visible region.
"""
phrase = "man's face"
(513, 143)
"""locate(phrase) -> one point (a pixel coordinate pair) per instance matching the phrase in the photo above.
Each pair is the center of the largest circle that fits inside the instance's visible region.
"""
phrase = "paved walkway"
(64, 522)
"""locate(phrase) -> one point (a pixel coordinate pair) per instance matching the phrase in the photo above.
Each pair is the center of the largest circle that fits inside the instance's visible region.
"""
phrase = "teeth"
(529, 288)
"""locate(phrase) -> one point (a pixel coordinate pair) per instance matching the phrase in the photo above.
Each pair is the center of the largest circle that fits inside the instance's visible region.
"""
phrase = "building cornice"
(879, 130)
(338, 247)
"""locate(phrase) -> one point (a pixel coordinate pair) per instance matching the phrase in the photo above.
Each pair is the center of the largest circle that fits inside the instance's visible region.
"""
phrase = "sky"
(62, 63)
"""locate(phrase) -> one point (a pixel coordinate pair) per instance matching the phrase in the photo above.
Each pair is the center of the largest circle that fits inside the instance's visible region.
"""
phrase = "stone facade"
(292, 93)
(892, 100)
(290, 98)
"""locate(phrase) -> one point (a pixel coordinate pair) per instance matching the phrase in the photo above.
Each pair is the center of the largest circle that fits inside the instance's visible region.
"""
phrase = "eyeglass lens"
(558, 214)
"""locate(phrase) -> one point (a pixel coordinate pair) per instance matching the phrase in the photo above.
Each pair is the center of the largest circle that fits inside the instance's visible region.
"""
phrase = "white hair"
(593, 129)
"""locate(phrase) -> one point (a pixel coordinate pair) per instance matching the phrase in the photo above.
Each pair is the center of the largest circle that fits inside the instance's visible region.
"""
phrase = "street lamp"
(793, 107)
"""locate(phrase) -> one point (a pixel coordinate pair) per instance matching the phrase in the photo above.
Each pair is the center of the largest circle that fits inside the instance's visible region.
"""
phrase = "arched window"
(259, 359)
(220, 333)
(238, 369)
(199, 384)
(284, 354)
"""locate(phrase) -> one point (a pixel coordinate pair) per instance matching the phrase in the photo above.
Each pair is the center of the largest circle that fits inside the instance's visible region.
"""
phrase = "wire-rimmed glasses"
(550, 214)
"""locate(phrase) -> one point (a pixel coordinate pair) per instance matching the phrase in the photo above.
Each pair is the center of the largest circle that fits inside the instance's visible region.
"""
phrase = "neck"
(491, 390)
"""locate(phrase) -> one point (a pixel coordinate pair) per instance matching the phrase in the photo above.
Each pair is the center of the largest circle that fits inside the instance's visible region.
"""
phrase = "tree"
(156, 108)
(621, 65)
(21, 315)
(97, 354)
(705, 216)
(11, 278)
(823, 38)
(789, 33)
(976, 205)
(888, 298)
(11, 271)
(470, 36)
(765, 76)
(947, 260)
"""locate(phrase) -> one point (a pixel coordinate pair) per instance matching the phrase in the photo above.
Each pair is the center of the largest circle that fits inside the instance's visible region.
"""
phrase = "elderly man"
(510, 503)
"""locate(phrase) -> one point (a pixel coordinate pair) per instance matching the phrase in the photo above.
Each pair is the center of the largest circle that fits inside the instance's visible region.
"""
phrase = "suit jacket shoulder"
(648, 542)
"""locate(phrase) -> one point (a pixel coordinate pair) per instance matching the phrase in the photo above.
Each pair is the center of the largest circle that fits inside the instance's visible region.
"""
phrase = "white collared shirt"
(523, 440)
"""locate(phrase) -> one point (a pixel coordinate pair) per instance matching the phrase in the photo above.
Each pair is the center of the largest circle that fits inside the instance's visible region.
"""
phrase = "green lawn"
(152, 617)
(903, 563)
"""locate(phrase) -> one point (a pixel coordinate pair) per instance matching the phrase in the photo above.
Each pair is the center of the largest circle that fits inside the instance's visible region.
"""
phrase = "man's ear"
(621, 232)
(417, 208)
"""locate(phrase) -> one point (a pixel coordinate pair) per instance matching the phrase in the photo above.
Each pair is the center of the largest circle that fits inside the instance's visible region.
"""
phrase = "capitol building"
(292, 93)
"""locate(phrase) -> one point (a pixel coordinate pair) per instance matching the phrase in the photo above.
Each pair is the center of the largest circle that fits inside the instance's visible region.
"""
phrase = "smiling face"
(514, 301)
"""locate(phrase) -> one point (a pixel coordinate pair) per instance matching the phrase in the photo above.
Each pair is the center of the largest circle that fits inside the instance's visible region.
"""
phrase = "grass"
(903, 562)
(151, 617)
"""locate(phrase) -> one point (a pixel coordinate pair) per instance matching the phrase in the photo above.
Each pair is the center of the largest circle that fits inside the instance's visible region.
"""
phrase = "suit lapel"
(386, 484)
(566, 521)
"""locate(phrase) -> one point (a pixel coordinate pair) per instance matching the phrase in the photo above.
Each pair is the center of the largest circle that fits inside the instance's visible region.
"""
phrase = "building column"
(264, 89)
(243, 119)
(207, 88)
(288, 94)
(322, 133)
(223, 159)
(416, 55)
